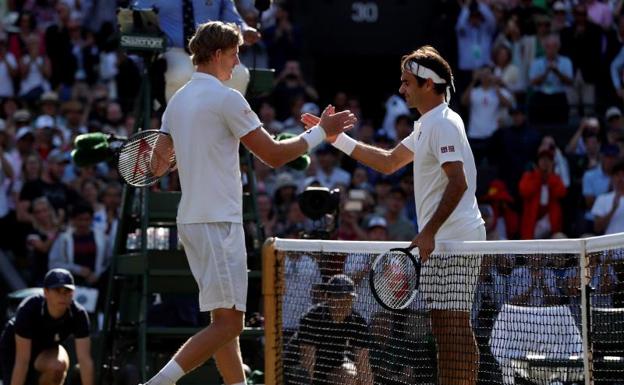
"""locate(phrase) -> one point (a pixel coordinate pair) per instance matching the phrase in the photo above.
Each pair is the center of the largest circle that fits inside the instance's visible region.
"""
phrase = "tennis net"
(505, 312)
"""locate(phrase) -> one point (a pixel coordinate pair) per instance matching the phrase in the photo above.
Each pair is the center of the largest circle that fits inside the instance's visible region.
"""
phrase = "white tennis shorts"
(448, 282)
(218, 260)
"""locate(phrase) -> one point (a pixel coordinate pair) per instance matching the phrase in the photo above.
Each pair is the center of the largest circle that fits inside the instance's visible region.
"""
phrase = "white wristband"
(314, 136)
(345, 143)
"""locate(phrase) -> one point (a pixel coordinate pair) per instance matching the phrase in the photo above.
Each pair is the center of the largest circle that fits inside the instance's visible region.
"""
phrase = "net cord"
(570, 246)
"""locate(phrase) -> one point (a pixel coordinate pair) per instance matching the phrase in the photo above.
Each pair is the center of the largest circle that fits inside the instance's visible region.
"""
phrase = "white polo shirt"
(206, 120)
(439, 137)
(602, 207)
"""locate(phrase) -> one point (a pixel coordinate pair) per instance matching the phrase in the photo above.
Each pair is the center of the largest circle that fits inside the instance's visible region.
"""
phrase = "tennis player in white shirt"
(444, 187)
(207, 121)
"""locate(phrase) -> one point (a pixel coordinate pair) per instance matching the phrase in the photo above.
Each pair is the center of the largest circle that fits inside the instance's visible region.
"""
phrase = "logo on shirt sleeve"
(445, 149)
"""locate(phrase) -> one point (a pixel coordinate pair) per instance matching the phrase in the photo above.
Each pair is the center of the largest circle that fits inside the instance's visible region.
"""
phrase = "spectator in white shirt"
(35, 70)
(484, 97)
(608, 210)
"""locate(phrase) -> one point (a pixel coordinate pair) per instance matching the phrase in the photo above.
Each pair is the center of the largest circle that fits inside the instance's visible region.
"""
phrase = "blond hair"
(211, 37)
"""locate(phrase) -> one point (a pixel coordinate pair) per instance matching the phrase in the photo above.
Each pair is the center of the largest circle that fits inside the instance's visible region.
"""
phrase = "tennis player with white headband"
(444, 187)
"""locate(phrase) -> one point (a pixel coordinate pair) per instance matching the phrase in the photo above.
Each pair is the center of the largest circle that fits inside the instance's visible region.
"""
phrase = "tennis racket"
(394, 277)
(145, 157)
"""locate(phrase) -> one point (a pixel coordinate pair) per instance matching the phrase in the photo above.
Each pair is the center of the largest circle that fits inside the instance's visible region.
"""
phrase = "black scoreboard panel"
(373, 26)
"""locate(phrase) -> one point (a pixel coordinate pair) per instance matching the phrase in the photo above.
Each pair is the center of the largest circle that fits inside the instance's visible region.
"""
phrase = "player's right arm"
(22, 359)
(278, 153)
(384, 161)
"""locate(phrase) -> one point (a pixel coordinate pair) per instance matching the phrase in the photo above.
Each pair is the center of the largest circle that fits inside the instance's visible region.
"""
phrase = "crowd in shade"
(539, 84)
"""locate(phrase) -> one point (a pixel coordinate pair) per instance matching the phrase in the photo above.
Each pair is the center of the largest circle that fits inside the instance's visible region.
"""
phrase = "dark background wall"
(356, 46)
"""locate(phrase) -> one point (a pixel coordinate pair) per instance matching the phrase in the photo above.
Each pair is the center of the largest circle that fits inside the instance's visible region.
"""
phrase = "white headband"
(426, 73)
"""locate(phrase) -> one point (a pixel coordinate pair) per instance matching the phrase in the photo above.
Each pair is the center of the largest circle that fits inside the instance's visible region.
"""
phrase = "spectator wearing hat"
(21, 118)
(24, 146)
(49, 105)
(342, 354)
(541, 191)
(614, 126)
(284, 193)
(47, 135)
(597, 180)
(8, 69)
(503, 219)
(608, 209)
(293, 124)
(559, 17)
(31, 349)
(357, 266)
(328, 173)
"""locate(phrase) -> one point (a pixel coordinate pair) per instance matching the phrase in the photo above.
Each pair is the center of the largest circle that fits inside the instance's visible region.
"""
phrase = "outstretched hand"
(333, 123)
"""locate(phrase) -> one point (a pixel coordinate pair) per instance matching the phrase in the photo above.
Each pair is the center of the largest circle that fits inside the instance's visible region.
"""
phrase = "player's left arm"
(453, 193)
(455, 189)
(362, 364)
(83, 353)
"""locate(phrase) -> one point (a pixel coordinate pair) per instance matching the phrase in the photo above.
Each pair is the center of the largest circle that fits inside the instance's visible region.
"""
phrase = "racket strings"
(136, 158)
(395, 278)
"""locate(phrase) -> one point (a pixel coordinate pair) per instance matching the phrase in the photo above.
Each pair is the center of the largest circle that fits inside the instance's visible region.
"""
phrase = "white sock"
(168, 375)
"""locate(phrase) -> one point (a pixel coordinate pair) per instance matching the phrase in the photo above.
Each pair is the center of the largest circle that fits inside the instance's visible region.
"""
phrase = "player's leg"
(230, 362)
(226, 326)
(218, 260)
(52, 365)
(451, 288)
(458, 355)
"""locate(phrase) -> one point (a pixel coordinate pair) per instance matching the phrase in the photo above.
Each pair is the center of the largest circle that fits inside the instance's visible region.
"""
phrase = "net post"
(272, 319)
(584, 273)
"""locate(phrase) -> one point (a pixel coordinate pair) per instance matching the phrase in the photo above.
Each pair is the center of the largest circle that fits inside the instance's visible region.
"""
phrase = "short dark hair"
(430, 58)
(211, 37)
